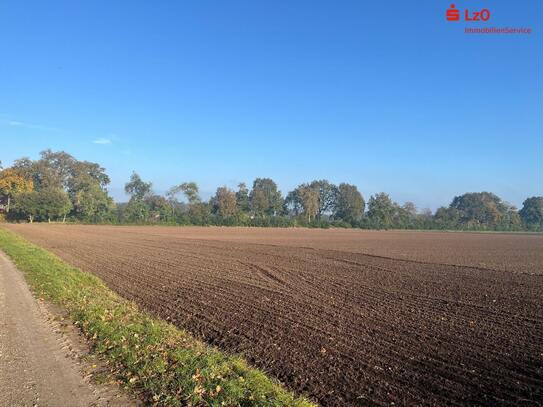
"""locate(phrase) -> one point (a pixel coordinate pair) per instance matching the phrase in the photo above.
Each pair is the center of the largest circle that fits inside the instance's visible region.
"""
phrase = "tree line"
(58, 187)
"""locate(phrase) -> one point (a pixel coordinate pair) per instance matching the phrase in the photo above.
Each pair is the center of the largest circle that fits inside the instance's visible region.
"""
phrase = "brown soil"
(347, 317)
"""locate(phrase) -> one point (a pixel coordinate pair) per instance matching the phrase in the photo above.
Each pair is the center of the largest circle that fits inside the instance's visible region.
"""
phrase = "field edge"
(161, 364)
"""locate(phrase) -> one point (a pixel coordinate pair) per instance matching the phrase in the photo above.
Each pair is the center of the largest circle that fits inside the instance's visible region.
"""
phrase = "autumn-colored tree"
(224, 202)
(304, 199)
(12, 183)
(309, 197)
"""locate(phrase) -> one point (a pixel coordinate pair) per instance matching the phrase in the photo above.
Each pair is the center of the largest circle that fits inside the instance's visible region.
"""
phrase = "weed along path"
(36, 367)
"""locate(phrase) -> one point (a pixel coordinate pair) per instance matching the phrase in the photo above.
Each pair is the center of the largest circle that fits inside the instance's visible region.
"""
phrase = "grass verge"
(164, 365)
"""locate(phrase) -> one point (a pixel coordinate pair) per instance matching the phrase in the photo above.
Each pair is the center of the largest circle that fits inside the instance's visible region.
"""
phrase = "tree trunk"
(9, 201)
(49, 220)
(31, 218)
(64, 219)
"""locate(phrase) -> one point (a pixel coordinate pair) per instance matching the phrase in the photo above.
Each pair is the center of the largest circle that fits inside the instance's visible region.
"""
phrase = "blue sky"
(386, 95)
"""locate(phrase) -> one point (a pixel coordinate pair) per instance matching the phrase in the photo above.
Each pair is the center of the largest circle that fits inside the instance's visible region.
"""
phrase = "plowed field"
(346, 317)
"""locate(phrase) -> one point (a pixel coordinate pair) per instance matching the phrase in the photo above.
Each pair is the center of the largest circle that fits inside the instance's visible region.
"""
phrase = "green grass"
(162, 364)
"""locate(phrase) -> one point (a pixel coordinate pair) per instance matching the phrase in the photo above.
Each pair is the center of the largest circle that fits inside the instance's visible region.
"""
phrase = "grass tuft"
(162, 364)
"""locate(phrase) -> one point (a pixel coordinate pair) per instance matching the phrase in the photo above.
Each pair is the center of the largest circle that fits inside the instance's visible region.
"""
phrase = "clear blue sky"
(386, 95)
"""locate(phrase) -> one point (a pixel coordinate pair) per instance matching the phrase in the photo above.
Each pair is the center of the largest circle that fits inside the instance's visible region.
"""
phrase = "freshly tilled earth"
(422, 318)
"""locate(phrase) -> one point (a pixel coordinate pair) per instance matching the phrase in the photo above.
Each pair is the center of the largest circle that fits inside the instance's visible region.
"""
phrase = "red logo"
(453, 14)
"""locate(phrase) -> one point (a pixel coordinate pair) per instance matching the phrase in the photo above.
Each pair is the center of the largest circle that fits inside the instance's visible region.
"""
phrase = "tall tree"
(53, 203)
(198, 211)
(381, 210)
(265, 198)
(511, 219)
(327, 195)
(136, 210)
(410, 209)
(60, 170)
(159, 208)
(478, 209)
(12, 183)
(224, 202)
(242, 197)
(84, 175)
(92, 203)
(532, 212)
(191, 191)
(405, 216)
(58, 165)
(27, 205)
(293, 202)
(137, 188)
(350, 204)
(446, 218)
(24, 166)
(304, 199)
(259, 202)
(171, 196)
(309, 197)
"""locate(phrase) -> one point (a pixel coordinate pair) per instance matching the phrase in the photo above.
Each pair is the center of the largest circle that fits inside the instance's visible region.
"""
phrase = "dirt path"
(37, 362)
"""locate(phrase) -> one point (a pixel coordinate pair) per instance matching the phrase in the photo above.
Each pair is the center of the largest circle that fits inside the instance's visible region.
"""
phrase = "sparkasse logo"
(453, 14)
(472, 17)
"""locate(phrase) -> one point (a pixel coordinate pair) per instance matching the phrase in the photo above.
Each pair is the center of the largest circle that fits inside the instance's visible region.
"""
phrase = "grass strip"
(162, 364)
